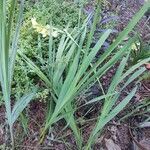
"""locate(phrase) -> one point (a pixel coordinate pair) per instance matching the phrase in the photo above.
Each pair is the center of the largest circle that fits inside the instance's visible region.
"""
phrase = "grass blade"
(20, 106)
(103, 121)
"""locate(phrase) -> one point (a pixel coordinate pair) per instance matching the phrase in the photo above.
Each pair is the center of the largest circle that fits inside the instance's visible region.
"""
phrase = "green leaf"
(15, 41)
(103, 121)
(20, 106)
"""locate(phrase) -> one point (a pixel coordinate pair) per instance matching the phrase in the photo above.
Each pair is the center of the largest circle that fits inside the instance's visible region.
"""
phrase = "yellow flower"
(44, 30)
(54, 34)
(34, 23)
(134, 46)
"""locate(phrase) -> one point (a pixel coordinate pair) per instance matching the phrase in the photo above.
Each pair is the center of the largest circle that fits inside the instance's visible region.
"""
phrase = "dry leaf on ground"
(110, 145)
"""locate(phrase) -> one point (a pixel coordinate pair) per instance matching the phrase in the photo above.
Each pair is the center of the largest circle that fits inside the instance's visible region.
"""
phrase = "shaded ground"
(116, 134)
(125, 10)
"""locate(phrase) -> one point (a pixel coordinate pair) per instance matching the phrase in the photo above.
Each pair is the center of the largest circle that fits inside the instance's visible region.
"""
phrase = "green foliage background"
(60, 14)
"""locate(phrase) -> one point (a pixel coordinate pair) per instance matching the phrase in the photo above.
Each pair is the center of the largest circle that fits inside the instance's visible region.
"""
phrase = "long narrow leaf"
(103, 121)
(20, 106)
(15, 41)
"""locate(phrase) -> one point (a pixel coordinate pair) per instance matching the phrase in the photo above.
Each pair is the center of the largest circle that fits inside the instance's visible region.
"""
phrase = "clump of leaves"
(140, 51)
(46, 11)
(8, 50)
(71, 70)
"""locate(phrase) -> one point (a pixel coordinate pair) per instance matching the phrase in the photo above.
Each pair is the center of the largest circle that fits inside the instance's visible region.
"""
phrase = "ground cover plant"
(68, 66)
